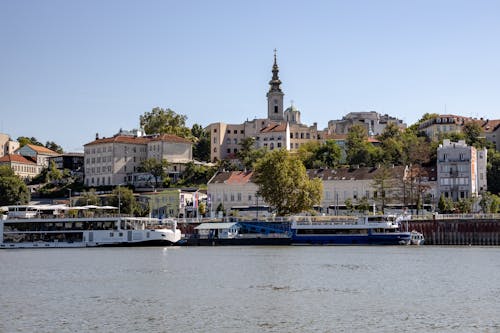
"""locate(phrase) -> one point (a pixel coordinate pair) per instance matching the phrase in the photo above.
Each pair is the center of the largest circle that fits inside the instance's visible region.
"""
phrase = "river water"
(251, 289)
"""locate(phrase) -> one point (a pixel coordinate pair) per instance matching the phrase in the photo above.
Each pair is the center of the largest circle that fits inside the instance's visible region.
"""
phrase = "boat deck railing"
(437, 216)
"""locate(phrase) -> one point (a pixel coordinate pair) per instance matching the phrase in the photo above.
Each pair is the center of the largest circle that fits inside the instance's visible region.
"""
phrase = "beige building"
(115, 160)
(281, 129)
(373, 122)
(29, 160)
(7, 146)
(24, 167)
(233, 190)
(40, 154)
(236, 191)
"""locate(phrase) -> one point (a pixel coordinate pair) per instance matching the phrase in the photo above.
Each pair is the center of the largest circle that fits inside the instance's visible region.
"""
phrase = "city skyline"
(71, 70)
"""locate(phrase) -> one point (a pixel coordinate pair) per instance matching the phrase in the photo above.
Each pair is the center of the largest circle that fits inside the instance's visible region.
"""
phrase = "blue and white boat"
(349, 230)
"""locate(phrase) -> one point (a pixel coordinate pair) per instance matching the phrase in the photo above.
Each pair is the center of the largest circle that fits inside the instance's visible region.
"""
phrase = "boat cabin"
(224, 230)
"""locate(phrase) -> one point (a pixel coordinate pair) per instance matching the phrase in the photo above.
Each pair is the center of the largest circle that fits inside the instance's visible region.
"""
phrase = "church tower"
(275, 95)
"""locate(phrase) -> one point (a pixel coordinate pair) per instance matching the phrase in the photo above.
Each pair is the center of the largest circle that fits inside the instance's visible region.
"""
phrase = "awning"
(212, 226)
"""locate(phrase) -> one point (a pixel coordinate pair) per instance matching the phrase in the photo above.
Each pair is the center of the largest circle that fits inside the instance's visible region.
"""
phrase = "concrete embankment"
(459, 230)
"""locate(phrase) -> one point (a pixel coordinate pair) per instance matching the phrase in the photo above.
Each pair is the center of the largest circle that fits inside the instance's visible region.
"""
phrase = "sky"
(71, 69)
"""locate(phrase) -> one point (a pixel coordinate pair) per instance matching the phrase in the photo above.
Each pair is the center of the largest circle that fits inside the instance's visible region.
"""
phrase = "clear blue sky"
(70, 69)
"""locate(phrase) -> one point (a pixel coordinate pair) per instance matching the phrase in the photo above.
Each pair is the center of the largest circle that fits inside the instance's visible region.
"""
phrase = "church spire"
(275, 81)
(275, 95)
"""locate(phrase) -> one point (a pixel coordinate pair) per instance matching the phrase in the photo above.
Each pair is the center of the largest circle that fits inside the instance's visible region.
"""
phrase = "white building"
(236, 190)
(115, 160)
(373, 122)
(461, 170)
(226, 138)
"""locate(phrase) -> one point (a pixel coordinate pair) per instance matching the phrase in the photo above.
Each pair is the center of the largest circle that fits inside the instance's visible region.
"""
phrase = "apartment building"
(461, 170)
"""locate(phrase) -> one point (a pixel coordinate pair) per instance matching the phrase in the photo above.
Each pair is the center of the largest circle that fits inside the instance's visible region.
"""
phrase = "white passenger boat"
(46, 226)
(349, 230)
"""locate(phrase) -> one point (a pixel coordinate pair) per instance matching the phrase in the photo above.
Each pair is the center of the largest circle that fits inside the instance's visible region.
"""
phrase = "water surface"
(251, 289)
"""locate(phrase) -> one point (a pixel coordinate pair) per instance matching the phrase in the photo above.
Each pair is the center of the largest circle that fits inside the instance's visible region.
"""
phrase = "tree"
(88, 198)
(358, 150)
(495, 204)
(464, 206)
(383, 184)
(472, 132)
(349, 205)
(155, 167)
(160, 121)
(493, 171)
(54, 146)
(201, 148)
(24, 140)
(202, 208)
(13, 190)
(445, 205)
(320, 155)
(248, 154)
(6, 171)
(414, 128)
(123, 198)
(54, 174)
(196, 174)
(283, 183)
(363, 206)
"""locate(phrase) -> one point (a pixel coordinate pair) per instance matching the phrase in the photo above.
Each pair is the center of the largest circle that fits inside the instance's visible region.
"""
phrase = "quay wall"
(458, 231)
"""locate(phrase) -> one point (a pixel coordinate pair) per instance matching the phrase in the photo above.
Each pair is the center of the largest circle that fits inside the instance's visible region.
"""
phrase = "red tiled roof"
(139, 140)
(120, 139)
(170, 138)
(16, 158)
(362, 173)
(232, 177)
(488, 125)
(42, 150)
(335, 136)
(281, 127)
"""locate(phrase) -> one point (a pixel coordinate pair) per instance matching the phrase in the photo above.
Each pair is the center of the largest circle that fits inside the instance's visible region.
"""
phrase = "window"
(235, 141)
(235, 150)
(228, 150)
(235, 131)
(215, 140)
(215, 130)
(228, 131)
(238, 197)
